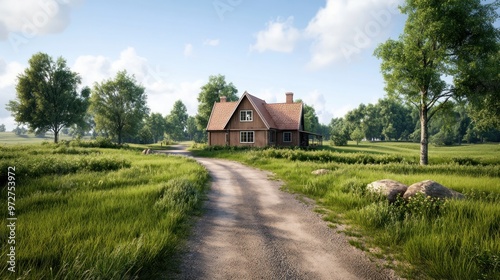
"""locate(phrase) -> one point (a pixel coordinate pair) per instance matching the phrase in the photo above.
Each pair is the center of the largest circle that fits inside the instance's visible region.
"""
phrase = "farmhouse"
(251, 121)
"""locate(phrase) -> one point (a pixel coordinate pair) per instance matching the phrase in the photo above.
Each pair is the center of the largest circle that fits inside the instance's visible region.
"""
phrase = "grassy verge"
(94, 213)
(423, 239)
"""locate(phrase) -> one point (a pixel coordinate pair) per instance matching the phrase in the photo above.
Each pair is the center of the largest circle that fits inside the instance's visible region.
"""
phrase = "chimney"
(289, 97)
(222, 99)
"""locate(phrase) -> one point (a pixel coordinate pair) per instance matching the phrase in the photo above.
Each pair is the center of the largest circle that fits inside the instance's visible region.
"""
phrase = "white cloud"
(279, 36)
(188, 50)
(318, 101)
(343, 29)
(161, 92)
(211, 42)
(31, 18)
(8, 79)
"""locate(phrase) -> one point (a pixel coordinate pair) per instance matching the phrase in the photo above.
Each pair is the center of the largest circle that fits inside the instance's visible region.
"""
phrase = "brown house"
(250, 121)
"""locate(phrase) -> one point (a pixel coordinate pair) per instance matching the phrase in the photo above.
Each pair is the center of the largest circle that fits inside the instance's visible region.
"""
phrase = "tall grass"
(422, 238)
(98, 213)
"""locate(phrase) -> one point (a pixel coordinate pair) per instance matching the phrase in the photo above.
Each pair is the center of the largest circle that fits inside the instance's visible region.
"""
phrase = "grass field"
(94, 213)
(12, 138)
(423, 239)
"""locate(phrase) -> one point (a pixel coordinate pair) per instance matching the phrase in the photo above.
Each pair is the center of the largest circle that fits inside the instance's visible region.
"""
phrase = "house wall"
(235, 123)
(218, 138)
(295, 139)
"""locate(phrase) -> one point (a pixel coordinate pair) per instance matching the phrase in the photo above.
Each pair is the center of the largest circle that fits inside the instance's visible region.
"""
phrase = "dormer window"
(246, 115)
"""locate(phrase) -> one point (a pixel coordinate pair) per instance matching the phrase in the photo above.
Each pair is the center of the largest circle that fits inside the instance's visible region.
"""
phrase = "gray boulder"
(388, 188)
(320, 172)
(432, 189)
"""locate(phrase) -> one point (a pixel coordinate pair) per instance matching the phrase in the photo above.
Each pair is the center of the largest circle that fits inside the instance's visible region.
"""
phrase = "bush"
(99, 142)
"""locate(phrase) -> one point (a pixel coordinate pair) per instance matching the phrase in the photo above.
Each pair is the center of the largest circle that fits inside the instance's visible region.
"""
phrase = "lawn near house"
(95, 213)
(422, 239)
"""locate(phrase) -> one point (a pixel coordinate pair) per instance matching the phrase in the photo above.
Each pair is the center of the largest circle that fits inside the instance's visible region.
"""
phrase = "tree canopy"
(211, 93)
(177, 121)
(48, 97)
(441, 40)
(119, 106)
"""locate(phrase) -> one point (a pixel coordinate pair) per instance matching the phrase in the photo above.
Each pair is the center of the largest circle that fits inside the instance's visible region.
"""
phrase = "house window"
(272, 136)
(287, 137)
(247, 137)
(246, 115)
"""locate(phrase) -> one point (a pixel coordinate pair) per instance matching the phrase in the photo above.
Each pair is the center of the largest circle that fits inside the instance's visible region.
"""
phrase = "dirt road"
(252, 230)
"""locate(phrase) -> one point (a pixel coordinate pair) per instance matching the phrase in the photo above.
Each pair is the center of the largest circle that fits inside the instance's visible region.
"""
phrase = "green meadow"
(421, 239)
(10, 138)
(87, 212)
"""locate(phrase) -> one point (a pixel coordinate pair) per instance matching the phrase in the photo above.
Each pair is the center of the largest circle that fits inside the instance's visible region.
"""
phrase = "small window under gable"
(246, 115)
(287, 137)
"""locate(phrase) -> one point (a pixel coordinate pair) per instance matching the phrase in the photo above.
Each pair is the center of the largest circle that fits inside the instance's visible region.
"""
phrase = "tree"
(192, 131)
(47, 96)
(211, 93)
(357, 135)
(157, 126)
(340, 132)
(483, 93)
(441, 39)
(395, 118)
(177, 121)
(2, 128)
(311, 122)
(20, 130)
(119, 106)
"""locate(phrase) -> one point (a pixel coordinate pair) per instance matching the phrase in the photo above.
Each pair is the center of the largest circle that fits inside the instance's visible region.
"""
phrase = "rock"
(320, 172)
(388, 188)
(432, 189)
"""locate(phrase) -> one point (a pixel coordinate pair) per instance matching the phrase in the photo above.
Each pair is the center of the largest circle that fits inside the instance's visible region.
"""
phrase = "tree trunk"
(56, 136)
(424, 135)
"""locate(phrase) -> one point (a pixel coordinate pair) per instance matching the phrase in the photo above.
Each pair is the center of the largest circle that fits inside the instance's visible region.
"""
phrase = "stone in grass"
(320, 172)
(388, 188)
(432, 189)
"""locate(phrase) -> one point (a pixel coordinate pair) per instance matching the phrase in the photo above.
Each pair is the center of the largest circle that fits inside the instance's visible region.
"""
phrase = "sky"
(321, 50)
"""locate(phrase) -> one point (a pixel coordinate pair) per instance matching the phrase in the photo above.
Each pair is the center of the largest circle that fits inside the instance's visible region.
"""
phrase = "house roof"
(282, 116)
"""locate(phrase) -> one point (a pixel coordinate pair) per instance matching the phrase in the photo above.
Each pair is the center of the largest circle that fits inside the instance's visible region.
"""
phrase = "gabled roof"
(286, 116)
(221, 113)
(282, 116)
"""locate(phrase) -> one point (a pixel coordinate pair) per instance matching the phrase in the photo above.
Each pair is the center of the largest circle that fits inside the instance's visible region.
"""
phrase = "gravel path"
(252, 230)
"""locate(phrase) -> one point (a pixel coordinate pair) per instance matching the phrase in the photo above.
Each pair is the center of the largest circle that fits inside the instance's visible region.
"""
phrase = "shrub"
(178, 195)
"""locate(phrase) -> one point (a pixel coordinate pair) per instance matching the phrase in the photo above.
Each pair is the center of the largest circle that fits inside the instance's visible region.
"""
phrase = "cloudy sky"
(322, 50)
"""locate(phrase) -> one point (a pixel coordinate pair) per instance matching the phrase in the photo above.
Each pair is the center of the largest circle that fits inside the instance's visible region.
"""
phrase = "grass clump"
(94, 213)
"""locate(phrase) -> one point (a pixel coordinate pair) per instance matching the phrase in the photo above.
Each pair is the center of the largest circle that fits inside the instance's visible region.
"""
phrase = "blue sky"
(319, 49)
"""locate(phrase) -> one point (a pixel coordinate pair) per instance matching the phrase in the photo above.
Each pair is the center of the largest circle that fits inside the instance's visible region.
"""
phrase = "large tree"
(157, 125)
(211, 93)
(483, 92)
(48, 97)
(119, 106)
(177, 121)
(428, 63)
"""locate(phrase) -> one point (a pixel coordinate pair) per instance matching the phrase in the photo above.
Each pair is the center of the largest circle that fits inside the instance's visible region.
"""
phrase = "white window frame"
(284, 137)
(247, 133)
(245, 117)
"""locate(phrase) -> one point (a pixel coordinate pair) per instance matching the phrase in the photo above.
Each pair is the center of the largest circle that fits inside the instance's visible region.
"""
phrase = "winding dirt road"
(252, 230)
